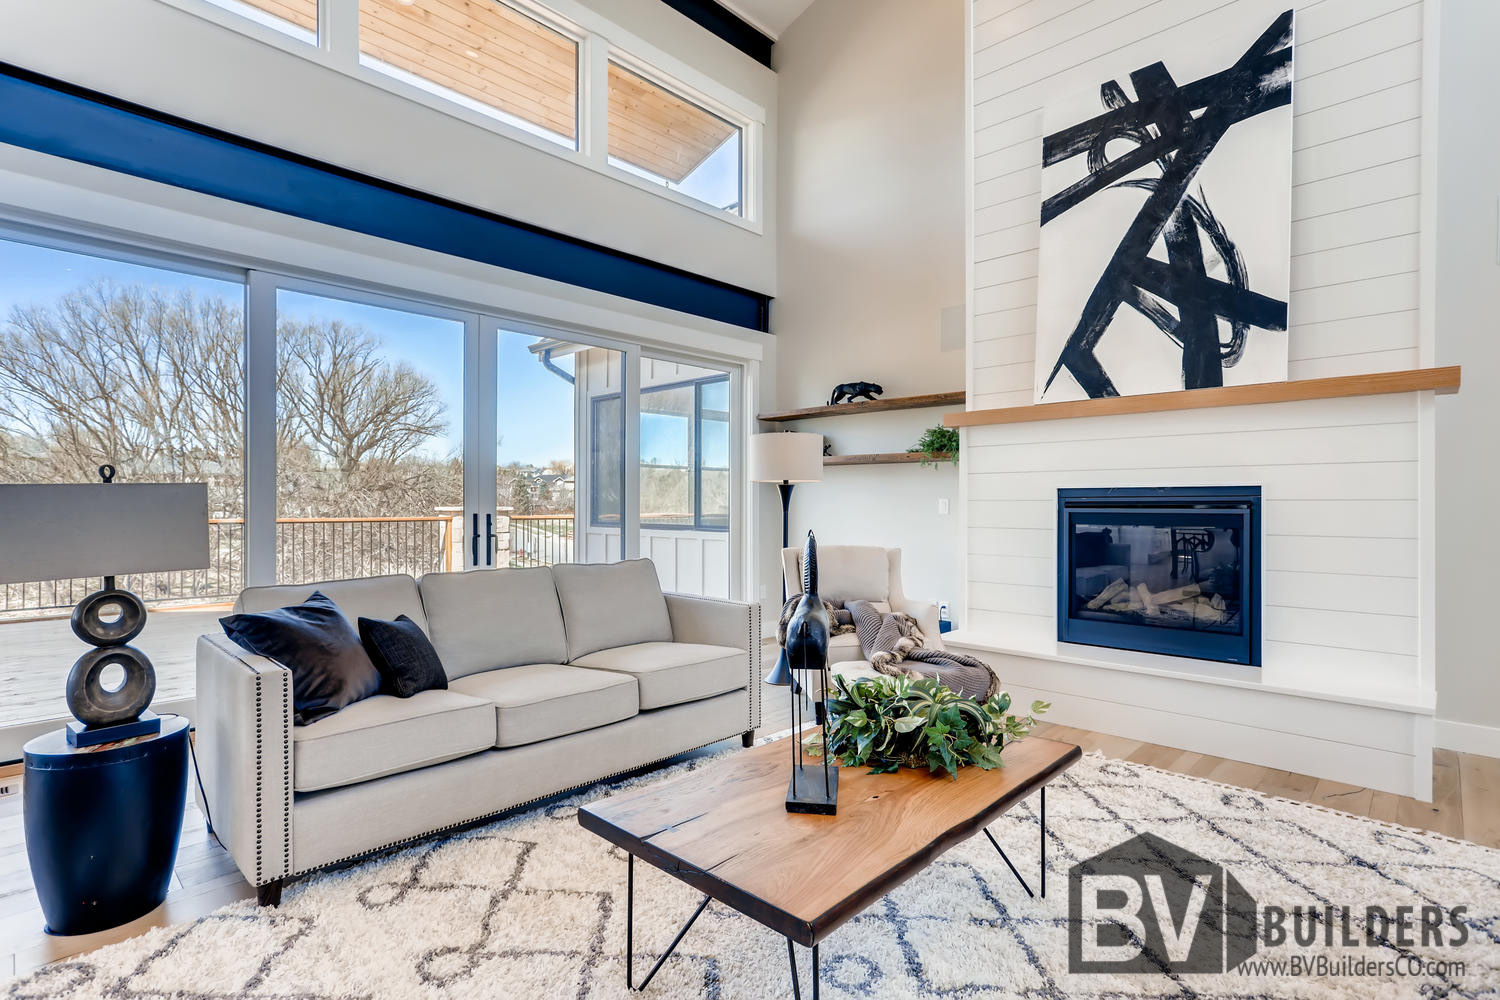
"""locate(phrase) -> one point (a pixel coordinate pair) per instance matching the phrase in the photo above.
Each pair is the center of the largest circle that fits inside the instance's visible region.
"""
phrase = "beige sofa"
(558, 677)
(864, 573)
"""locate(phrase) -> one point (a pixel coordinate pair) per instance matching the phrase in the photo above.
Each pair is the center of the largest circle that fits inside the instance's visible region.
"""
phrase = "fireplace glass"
(1160, 570)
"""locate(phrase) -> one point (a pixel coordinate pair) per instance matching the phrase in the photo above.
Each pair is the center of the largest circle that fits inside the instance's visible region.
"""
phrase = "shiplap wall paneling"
(1356, 172)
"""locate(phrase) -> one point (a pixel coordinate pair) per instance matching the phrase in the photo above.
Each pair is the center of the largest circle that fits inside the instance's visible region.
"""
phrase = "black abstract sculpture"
(854, 390)
(107, 620)
(806, 649)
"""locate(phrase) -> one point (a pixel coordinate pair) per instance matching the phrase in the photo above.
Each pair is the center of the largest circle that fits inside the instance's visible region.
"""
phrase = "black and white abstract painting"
(1166, 224)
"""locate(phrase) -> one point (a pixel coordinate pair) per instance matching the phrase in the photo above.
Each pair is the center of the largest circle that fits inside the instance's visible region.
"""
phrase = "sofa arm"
(926, 615)
(244, 753)
(722, 623)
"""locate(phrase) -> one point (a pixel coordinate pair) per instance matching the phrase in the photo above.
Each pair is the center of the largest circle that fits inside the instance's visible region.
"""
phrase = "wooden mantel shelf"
(871, 406)
(1441, 380)
(891, 458)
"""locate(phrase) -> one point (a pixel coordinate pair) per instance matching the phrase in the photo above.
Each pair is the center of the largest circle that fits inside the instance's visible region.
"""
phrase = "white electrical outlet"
(942, 505)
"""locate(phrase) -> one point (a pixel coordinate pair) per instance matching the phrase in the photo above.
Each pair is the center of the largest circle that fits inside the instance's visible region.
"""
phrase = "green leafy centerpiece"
(893, 722)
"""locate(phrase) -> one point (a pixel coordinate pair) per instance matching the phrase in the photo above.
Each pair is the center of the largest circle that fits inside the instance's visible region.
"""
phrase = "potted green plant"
(937, 444)
(893, 722)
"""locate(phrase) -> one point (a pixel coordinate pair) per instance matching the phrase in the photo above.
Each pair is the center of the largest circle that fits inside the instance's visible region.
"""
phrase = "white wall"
(1468, 300)
(157, 55)
(1356, 170)
(1346, 482)
(871, 253)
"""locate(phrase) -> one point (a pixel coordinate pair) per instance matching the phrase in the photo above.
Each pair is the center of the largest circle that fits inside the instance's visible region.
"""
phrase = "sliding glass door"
(106, 360)
(343, 433)
(560, 449)
(369, 439)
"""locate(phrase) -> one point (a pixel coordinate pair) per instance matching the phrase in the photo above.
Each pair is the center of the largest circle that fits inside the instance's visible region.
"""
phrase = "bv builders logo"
(1150, 906)
(1148, 903)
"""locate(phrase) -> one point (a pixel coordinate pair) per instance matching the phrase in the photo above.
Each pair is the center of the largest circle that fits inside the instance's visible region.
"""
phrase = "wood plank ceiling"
(302, 13)
(658, 131)
(494, 54)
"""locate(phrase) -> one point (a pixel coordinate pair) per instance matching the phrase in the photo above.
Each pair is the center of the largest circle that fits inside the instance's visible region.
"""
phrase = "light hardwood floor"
(1466, 805)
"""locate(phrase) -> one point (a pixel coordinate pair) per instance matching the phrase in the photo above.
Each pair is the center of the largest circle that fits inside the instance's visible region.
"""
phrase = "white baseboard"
(1467, 737)
(1387, 747)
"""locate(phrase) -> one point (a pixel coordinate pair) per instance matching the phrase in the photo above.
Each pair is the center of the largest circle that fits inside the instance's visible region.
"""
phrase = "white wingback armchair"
(866, 573)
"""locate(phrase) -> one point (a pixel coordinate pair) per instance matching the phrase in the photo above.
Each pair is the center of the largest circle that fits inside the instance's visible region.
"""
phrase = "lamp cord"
(198, 777)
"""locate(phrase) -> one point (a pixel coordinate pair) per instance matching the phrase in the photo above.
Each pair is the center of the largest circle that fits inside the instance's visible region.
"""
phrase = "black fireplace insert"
(1161, 569)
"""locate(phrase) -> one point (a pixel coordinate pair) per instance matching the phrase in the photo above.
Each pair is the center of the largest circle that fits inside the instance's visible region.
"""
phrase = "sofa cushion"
(671, 673)
(539, 701)
(404, 655)
(382, 597)
(387, 735)
(486, 619)
(605, 605)
(330, 668)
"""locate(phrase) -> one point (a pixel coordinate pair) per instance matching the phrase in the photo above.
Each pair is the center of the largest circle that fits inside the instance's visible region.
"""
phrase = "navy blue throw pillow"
(330, 668)
(404, 655)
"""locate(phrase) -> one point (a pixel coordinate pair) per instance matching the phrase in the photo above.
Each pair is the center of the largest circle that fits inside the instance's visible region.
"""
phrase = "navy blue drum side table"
(102, 825)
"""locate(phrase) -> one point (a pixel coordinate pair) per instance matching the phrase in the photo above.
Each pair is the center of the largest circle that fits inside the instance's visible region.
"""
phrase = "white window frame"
(599, 42)
(483, 318)
(749, 204)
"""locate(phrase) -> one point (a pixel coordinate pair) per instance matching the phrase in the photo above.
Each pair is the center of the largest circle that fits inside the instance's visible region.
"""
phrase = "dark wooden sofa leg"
(269, 894)
(747, 739)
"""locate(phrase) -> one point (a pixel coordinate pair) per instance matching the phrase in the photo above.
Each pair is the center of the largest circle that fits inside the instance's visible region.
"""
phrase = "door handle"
(491, 544)
(474, 542)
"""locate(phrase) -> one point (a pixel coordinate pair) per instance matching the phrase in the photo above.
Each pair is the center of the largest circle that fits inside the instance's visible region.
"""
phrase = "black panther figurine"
(853, 390)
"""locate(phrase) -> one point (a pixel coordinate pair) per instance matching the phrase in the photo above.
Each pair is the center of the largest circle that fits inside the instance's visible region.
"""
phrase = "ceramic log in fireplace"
(1161, 570)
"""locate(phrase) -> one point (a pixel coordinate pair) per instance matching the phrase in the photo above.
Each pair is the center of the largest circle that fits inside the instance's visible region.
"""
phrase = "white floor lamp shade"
(786, 457)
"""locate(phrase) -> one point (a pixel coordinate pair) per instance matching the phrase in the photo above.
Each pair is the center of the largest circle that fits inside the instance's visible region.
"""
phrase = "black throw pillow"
(404, 655)
(330, 668)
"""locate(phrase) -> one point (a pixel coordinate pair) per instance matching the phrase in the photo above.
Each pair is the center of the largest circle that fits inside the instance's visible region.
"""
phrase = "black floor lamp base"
(807, 792)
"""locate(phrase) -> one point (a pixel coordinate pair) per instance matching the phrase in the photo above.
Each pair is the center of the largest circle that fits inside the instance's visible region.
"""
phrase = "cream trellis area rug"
(532, 906)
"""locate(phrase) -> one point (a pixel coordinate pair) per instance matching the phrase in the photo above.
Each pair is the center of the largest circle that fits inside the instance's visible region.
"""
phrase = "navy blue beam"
(727, 25)
(55, 117)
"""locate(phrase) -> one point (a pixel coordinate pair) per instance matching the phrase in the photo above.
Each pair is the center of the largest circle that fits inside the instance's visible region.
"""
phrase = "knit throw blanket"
(892, 642)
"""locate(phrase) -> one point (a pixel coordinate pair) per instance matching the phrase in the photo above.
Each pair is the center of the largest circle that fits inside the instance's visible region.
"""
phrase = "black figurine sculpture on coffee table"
(805, 650)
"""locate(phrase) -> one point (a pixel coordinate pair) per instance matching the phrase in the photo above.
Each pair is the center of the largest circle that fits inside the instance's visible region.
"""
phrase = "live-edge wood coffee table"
(724, 830)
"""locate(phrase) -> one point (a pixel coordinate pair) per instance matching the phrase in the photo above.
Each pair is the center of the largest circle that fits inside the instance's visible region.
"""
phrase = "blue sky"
(535, 410)
(535, 413)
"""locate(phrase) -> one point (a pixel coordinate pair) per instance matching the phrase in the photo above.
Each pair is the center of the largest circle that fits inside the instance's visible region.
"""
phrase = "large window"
(369, 443)
(342, 432)
(107, 362)
(524, 70)
(684, 460)
(481, 54)
(669, 140)
(685, 455)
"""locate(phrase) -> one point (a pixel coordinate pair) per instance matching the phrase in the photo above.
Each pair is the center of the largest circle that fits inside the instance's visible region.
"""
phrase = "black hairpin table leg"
(630, 930)
(791, 956)
(1042, 855)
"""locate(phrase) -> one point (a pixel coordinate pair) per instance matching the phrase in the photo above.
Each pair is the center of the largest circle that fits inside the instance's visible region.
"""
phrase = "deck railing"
(307, 548)
(313, 548)
(540, 539)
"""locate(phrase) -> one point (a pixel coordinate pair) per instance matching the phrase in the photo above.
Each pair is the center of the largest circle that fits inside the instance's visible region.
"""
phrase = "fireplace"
(1161, 570)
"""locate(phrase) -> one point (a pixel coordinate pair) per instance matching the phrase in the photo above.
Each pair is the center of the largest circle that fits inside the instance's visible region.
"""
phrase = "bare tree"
(131, 376)
(153, 383)
(351, 404)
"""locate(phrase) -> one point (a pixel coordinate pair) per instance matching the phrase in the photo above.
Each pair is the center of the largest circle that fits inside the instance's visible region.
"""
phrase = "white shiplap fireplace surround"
(1346, 691)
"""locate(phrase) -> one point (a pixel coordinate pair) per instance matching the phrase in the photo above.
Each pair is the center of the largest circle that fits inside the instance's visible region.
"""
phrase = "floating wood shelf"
(891, 458)
(1442, 380)
(894, 403)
